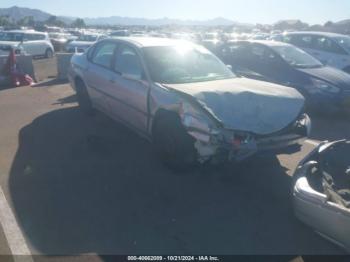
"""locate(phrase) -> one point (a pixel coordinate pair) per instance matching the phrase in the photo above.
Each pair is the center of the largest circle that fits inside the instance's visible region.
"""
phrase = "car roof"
(151, 41)
(25, 32)
(326, 34)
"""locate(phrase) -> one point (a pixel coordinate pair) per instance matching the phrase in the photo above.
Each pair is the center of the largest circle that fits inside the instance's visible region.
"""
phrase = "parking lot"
(81, 185)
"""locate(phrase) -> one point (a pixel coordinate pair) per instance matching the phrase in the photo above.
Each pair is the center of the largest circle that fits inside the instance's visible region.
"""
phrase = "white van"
(26, 41)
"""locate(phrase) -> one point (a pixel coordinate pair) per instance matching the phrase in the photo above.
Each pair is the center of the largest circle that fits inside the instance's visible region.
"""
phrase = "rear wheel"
(173, 144)
(83, 98)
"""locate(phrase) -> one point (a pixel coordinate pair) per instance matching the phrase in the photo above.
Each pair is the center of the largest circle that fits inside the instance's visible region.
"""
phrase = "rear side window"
(327, 45)
(103, 54)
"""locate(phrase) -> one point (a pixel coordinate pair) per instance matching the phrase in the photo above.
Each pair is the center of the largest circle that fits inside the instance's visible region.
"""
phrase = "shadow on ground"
(88, 185)
(51, 82)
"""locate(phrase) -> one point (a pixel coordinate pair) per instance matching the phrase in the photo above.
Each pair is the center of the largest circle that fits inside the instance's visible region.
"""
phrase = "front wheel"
(83, 98)
(173, 144)
(49, 53)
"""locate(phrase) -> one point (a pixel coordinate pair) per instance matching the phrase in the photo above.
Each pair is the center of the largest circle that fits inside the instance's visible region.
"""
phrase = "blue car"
(325, 88)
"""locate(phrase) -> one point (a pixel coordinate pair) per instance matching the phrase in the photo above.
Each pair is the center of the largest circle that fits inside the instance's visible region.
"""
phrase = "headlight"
(319, 86)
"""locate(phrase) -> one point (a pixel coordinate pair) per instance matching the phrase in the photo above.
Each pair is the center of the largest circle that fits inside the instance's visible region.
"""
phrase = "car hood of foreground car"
(248, 105)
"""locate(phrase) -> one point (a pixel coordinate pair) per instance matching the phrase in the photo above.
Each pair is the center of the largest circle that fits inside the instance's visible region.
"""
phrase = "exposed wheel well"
(78, 80)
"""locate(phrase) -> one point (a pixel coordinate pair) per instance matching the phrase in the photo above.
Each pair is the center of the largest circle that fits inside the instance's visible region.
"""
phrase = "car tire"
(173, 144)
(84, 98)
(49, 53)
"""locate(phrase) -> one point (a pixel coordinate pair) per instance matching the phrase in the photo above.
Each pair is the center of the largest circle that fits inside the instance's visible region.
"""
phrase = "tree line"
(29, 21)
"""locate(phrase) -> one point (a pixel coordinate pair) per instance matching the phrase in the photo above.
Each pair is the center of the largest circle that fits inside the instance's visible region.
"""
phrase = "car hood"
(247, 105)
(329, 74)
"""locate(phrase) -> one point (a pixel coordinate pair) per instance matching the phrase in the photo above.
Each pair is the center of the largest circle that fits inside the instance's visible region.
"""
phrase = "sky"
(247, 11)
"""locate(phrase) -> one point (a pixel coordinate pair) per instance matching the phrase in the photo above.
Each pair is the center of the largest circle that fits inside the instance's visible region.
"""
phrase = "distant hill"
(119, 20)
(16, 13)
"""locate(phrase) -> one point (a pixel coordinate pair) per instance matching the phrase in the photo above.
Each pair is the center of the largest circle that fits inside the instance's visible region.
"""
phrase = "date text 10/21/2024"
(173, 258)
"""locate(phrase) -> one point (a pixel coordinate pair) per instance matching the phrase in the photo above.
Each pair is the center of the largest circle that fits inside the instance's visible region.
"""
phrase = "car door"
(29, 44)
(41, 43)
(128, 98)
(99, 74)
(329, 52)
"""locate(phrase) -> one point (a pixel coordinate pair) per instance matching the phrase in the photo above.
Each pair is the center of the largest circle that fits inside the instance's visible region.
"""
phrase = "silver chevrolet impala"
(186, 101)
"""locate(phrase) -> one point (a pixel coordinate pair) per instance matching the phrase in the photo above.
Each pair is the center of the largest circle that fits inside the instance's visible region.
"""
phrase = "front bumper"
(234, 147)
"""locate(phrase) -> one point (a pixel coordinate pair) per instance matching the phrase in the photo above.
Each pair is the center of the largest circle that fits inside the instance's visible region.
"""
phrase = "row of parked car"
(325, 88)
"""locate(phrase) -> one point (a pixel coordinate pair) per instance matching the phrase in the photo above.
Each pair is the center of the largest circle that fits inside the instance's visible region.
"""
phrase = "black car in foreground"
(326, 89)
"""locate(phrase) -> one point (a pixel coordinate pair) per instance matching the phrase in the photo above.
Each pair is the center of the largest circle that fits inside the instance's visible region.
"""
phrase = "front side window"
(103, 54)
(184, 63)
(127, 62)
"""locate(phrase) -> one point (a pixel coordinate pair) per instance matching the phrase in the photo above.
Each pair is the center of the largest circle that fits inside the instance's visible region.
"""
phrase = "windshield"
(297, 57)
(184, 64)
(12, 37)
(88, 38)
(344, 42)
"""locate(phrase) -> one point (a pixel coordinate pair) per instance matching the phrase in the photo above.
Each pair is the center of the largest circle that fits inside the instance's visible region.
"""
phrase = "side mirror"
(229, 67)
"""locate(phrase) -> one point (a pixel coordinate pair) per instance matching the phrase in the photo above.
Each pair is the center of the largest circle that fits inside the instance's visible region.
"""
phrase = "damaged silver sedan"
(186, 101)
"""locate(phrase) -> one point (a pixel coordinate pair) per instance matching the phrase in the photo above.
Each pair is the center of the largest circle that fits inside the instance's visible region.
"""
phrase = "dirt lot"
(82, 185)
